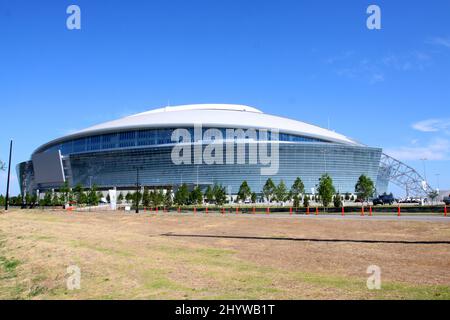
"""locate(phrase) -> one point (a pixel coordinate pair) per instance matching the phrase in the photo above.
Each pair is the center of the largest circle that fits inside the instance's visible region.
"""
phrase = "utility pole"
(9, 175)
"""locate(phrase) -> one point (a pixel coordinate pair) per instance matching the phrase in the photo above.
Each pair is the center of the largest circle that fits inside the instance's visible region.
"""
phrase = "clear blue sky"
(308, 60)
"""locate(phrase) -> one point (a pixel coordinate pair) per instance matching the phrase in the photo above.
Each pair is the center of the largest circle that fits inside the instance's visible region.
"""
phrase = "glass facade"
(149, 137)
(111, 160)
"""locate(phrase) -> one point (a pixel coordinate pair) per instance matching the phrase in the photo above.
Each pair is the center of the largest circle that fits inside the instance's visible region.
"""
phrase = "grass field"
(168, 256)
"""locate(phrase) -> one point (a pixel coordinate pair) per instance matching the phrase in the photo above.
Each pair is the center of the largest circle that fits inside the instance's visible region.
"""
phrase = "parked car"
(447, 200)
(384, 199)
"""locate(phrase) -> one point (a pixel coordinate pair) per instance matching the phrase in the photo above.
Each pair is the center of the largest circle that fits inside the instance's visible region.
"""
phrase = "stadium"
(139, 149)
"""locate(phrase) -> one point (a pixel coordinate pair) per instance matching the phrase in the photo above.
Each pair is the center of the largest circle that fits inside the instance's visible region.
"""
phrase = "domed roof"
(210, 115)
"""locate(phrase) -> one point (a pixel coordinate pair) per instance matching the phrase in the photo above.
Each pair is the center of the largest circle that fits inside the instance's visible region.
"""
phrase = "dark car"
(384, 199)
(447, 201)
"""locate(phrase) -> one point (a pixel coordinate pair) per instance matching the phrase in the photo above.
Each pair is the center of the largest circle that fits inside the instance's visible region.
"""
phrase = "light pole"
(437, 178)
(8, 178)
(424, 169)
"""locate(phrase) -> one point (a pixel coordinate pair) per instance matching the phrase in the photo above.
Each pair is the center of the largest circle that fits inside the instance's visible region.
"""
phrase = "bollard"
(445, 210)
(290, 211)
(343, 211)
(268, 210)
(317, 211)
(398, 211)
(223, 210)
(237, 210)
(370, 211)
(307, 210)
(156, 209)
(254, 210)
(179, 210)
(362, 211)
(206, 211)
(195, 210)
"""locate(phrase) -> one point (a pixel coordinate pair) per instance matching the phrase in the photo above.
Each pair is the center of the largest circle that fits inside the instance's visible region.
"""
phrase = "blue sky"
(314, 61)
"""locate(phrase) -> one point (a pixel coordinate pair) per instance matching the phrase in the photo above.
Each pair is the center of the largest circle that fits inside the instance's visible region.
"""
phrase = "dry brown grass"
(126, 256)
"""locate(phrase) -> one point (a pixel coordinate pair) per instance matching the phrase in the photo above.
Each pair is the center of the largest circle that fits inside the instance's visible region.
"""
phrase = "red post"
(223, 210)
(254, 210)
(268, 210)
(398, 211)
(317, 211)
(445, 210)
(179, 209)
(343, 211)
(206, 210)
(290, 210)
(237, 210)
(362, 211)
(195, 210)
(307, 210)
(156, 209)
(370, 211)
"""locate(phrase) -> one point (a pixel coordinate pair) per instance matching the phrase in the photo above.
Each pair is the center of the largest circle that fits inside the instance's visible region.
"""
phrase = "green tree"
(56, 200)
(269, 190)
(92, 197)
(337, 200)
(129, 197)
(209, 195)
(120, 197)
(220, 194)
(168, 199)
(244, 191)
(137, 197)
(298, 188)
(146, 198)
(158, 198)
(47, 199)
(80, 196)
(2, 200)
(364, 187)
(296, 201)
(196, 196)
(281, 193)
(64, 191)
(326, 189)
(306, 201)
(253, 197)
(182, 195)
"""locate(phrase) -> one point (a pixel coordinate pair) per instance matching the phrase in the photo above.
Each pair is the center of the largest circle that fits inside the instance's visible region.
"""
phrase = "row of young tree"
(66, 195)
(326, 192)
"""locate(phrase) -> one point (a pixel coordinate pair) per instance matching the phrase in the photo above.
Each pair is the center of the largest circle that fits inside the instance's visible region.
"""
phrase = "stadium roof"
(209, 115)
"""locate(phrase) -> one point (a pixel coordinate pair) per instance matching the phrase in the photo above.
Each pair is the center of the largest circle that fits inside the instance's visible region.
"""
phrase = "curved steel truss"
(402, 175)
